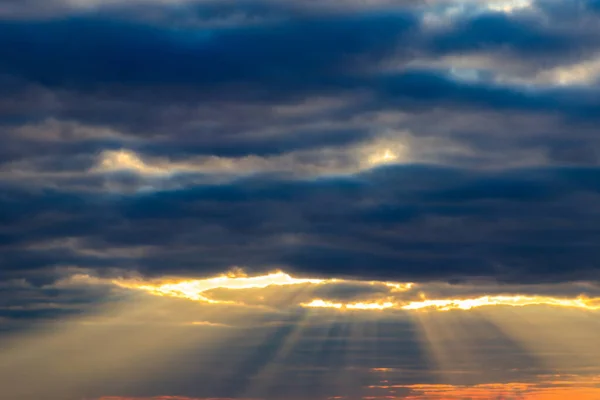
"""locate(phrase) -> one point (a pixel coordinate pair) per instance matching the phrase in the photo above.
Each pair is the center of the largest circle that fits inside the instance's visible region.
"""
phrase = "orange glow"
(462, 304)
(577, 389)
(513, 301)
(522, 391)
(194, 289)
(322, 304)
(400, 296)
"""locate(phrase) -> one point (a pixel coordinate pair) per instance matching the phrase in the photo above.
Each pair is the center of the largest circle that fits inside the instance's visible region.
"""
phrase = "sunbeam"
(121, 344)
(565, 340)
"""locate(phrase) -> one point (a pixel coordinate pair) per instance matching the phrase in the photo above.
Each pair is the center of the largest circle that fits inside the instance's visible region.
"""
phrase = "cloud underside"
(399, 223)
(279, 290)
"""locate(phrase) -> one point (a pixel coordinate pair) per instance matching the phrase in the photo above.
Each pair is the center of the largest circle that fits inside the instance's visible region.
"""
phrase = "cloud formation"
(403, 223)
(424, 175)
(438, 142)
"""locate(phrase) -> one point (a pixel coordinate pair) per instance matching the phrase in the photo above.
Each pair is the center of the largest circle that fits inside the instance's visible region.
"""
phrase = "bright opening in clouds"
(299, 199)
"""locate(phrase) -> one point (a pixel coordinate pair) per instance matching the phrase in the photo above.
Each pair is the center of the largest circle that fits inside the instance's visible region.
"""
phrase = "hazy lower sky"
(299, 199)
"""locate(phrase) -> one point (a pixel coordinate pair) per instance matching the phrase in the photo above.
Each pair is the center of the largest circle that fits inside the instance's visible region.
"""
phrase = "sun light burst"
(513, 301)
(195, 289)
(319, 303)
(400, 296)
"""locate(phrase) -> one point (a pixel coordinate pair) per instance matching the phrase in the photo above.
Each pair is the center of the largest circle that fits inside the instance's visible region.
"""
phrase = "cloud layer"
(387, 140)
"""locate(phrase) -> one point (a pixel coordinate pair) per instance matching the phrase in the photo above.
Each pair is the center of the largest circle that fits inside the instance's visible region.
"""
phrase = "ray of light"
(120, 344)
(468, 349)
(441, 350)
(266, 374)
(319, 303)
(450, 336)
(565, 340)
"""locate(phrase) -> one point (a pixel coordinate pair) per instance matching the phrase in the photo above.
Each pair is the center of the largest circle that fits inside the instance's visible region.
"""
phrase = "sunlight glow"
(401, 296)
(385, 157)
(66, 357)
(194, 289)
(508, 6)
(513, 301)
(123, 160)
(319, 303)
(464, 304)
(580, 389)
(581, 73)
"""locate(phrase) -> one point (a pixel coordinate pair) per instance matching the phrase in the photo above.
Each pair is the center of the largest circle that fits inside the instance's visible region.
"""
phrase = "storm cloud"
(405, 141)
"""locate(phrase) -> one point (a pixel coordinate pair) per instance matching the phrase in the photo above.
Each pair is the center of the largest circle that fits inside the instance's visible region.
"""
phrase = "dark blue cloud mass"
(91, 52)
(417, 141)
(404, 223)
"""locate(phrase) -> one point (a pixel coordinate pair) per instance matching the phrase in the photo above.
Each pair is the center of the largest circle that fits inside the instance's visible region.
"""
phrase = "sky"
(299, 199)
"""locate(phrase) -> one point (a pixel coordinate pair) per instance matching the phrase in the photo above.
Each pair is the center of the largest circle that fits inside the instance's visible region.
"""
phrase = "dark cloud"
(107, 51)
(400, 223)
(306, 53)
(498, 30)
(322, 85)
(526, 32)
(195, 90)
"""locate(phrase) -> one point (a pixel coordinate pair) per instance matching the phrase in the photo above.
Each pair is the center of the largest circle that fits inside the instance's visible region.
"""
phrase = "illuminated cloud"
(129, 161)
(551, 389)
(349, 306)
(513, 301)
(194, 289)
(328, 161)
(582, 73)
(508, 6)
(395, 296)
(464, 304)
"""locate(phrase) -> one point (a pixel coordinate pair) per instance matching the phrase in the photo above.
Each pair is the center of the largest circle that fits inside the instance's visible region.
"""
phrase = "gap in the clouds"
(223, 348)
